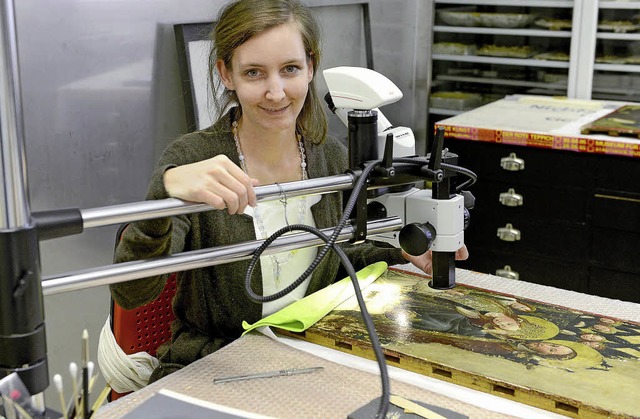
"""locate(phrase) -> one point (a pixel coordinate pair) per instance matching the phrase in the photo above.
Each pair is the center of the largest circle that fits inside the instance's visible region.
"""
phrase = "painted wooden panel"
(563, 360)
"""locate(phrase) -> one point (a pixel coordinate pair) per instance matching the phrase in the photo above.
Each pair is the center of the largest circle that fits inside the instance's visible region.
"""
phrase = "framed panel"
(194, 43)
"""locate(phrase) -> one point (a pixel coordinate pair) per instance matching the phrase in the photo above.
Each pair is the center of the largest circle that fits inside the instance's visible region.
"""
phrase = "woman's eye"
(252, 73)
(290, 69)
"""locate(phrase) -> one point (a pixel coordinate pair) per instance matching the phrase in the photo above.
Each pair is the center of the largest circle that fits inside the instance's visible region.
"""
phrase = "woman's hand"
(425, 260)
(217, 182)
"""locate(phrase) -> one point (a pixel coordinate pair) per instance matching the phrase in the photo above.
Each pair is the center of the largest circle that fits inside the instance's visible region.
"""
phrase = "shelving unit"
(597, 63)
(613, 80)
(579, 223)
(494, 76)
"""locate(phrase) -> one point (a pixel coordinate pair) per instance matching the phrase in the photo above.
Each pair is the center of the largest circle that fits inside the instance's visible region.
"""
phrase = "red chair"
(144, 328)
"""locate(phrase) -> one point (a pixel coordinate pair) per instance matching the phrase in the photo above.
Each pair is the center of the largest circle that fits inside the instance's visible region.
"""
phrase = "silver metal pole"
(128, 271)
(22, 314)
(144, 210)
(14, 207)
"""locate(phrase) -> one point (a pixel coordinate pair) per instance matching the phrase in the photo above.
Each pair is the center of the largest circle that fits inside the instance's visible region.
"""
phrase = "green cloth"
(304, 313)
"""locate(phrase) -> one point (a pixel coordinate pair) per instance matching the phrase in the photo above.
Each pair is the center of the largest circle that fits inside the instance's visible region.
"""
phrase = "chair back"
(143, 328)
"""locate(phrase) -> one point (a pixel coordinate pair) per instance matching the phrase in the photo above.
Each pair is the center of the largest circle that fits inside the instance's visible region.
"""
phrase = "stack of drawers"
(559, 218)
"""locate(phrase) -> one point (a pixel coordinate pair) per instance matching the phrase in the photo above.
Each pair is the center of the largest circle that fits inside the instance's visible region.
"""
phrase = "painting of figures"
(563, 360)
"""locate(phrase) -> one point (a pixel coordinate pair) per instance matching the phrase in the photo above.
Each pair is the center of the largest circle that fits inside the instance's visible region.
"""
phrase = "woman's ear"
(310, 66)
(225, 75)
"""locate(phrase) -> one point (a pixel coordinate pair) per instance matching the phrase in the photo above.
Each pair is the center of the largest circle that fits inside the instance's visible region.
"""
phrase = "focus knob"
(416, 238)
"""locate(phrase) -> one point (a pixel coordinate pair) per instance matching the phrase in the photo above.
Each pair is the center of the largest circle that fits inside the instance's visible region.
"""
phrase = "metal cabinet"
(569, 220)
(484, 50)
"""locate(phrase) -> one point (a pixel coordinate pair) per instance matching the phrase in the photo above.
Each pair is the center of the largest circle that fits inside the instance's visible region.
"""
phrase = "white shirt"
(270, 218)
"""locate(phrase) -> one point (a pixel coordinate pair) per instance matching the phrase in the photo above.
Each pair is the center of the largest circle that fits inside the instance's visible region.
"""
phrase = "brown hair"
(242, 19)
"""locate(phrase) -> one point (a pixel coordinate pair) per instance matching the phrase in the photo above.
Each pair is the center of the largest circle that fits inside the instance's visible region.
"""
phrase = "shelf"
(625, 68)
(526, 62)
(446, 112)
(587, 49)
(521, 3)
(501, 31)
(619, 36)
(503, 82)
(616, 91)
(618, 4)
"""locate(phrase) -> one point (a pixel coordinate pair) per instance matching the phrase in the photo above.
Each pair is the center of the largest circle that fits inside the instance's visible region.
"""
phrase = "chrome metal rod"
(128, 271)
(145, 210)
(14, 204)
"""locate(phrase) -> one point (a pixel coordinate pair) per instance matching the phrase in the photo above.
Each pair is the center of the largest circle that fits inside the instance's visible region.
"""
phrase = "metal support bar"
(128, 271)
(14, 207)
(145, 210)
(22, 332)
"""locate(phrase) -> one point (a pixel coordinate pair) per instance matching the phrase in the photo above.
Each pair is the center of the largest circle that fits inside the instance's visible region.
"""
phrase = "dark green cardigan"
(211, 303)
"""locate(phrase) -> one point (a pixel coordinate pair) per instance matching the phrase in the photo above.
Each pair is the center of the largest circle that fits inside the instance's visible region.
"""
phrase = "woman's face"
(270, 75)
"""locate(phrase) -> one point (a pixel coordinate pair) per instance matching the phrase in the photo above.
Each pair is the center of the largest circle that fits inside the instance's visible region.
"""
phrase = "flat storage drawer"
(616, 250)
(612, 284)
(618, 173)
(559, 241)
(616, 210)
(538, 166)
(531, 269)
(507, 201)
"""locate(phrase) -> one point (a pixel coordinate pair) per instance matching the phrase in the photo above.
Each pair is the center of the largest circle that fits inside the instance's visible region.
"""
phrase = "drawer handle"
(512, 163)
(511, 198)
(508, 233)
(508, 273)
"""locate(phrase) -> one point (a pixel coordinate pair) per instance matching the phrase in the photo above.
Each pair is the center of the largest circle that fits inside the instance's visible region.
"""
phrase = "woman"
(266, 53)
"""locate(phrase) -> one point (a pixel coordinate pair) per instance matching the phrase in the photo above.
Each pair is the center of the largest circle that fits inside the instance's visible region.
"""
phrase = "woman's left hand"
(425, 260)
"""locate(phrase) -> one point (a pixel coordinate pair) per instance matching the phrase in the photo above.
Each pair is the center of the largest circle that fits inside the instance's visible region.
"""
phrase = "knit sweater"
(211, 303)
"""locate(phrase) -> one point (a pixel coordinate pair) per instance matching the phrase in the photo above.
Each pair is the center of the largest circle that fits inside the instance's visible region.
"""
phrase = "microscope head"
(360, 88)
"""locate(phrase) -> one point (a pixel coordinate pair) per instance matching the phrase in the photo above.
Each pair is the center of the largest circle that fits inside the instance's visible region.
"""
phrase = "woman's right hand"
(216, 181)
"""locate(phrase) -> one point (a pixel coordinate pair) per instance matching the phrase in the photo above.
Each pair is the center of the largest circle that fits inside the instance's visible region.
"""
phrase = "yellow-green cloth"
(304, 313)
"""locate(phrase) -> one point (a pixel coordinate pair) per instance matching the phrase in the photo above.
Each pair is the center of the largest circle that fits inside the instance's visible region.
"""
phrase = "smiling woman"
(272, 129)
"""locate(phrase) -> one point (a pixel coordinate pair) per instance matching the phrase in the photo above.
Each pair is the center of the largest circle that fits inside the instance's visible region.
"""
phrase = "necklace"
(277, 263)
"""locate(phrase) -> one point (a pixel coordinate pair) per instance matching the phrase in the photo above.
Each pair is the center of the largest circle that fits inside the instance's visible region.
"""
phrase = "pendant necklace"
(277, 263)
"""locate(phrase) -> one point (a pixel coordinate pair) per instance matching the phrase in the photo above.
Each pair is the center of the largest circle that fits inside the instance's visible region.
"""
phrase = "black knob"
(469, 199)
(416, 238)
(467, 218)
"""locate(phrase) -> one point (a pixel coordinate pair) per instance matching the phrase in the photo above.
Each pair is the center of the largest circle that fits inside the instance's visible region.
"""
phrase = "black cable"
(330, 244)
(473, 178)
(366, 317)
(451, 167)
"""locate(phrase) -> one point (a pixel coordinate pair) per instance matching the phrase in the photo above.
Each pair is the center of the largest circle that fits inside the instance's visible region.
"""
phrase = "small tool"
(267, 374)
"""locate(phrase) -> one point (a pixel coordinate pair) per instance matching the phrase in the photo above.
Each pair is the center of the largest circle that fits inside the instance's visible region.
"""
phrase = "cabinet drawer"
(537, 202)
(567, 242)
(616, 210)
(618, 173)
(616, 250)
(621, 285)
(541, 167)
(531, 269)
